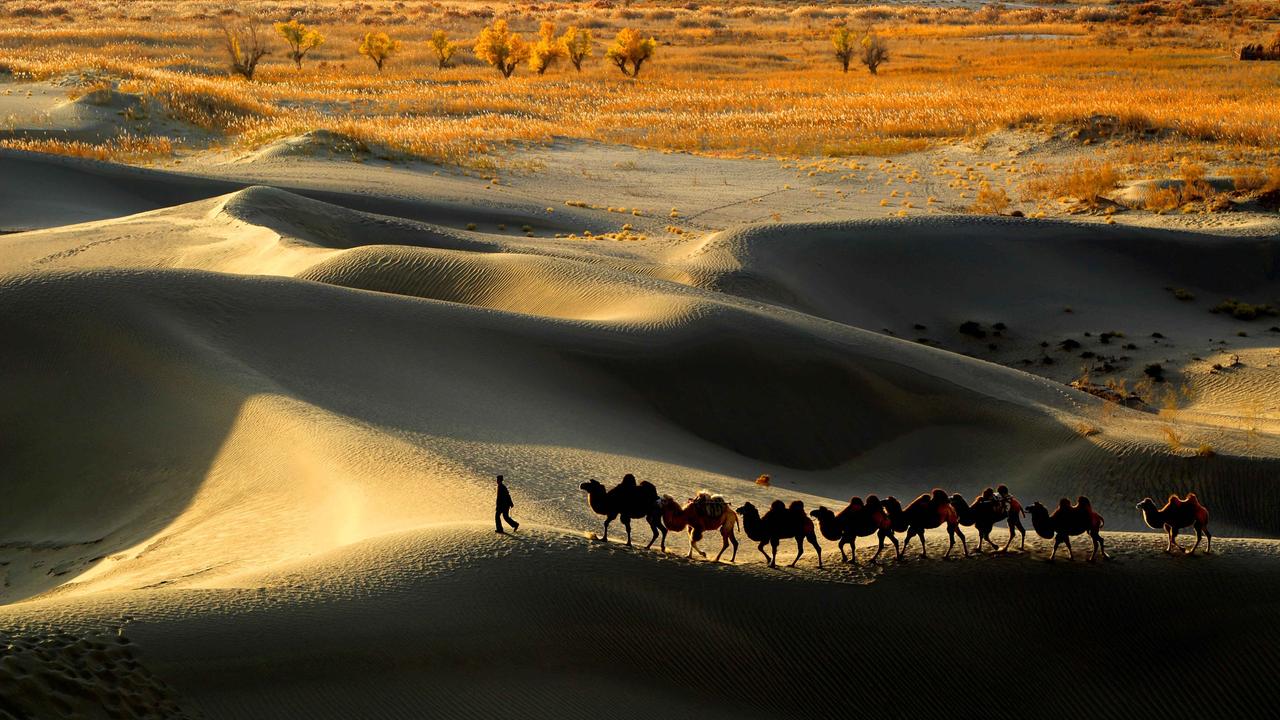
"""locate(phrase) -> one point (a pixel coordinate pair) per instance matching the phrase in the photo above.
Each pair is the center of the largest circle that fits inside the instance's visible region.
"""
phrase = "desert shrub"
(1194, 186)
(632, 49)
(379, 47)
(301, 39)
(577, 45)
(501, 48)
(973, 329)
(875, 52)
(1245, 179)
(763, 481)
(1084, 180)
(990, 199)
(546, 50)
(243, 46)
(443, 48)
(1243, 310)
(1159, 199)
(845, 44)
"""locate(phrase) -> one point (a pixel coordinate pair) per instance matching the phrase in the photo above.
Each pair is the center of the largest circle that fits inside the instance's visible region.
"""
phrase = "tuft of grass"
(1084, 181)
(125, 148)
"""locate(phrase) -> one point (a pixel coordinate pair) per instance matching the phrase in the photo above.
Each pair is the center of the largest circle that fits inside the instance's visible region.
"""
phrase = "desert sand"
(253, 405)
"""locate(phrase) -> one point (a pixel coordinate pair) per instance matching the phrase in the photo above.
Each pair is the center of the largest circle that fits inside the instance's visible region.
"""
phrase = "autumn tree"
(301, 39)
(577, 45)
(846, 46)
(546, 50)
(630, 48)
(874, 52)
(501, 48)
(244, 47)
(378, 47)
(443, 48)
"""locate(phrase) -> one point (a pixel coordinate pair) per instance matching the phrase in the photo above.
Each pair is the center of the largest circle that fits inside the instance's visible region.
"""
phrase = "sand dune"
(252, 429)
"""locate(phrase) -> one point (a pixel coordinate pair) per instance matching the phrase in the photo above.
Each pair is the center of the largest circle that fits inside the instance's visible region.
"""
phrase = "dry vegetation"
(721, 78)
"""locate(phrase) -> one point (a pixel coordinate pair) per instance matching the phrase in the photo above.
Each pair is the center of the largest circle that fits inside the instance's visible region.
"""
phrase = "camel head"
(747, 509)
(940, 495)
(1036, 507)
(668, 502)
(592, 486)
(1147, 505)
(821, 512)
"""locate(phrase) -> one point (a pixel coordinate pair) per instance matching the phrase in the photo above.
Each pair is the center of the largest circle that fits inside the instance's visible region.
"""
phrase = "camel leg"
(905, 542)
(695, 534)
(773, 545)
(626, 523)
(724, 545)
(1022, 545)
(1070, 553)
(1056, 542)
(813, 540)
(1008, 542)
(733, 539)
(1198, 537)
(1101, 545)
(875, 559)
(1209, 547)
(607, 520)
(1173, 538)
(799, 551)
(897, 550)
(760, 547)
(663, 528)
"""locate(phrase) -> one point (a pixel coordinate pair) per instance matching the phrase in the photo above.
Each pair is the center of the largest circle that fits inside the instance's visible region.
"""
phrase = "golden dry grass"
(727, 79)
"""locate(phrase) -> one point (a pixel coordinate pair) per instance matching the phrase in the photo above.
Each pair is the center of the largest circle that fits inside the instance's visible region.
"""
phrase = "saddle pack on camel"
(709, 505)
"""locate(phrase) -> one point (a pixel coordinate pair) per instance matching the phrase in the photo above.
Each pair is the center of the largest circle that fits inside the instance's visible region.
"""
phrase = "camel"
(630, 501)
(703, 513)
(1066, 521)
(1176, 514)
(859, 519)
(985, 512)
(926, 512)
(779, 523)
(755, 529)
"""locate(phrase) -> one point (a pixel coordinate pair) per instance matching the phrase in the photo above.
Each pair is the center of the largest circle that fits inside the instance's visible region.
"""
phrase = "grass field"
(726, 79)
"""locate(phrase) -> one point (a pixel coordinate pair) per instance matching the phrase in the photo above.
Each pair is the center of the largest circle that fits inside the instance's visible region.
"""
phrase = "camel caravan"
(883, 519)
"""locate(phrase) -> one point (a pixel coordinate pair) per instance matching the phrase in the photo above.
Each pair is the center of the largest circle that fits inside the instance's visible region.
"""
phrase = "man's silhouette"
(503, 509)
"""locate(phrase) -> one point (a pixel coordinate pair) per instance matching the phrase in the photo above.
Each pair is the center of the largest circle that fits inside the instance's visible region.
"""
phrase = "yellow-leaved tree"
(301, 39)
(577, 45)
(378, 47)
(632, 49)
(443, 48)
(546, 50)
(846, 46)
(501, 48)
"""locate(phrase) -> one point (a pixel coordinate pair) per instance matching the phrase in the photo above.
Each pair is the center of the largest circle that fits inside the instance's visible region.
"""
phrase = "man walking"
(503, 510)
